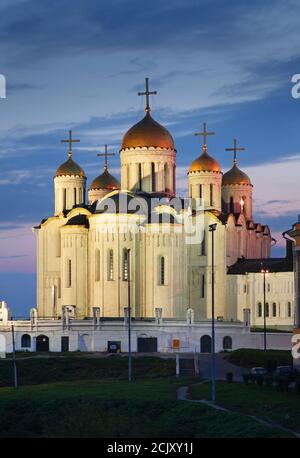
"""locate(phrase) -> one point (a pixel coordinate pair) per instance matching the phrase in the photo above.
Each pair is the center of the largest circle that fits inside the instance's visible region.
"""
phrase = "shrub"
(282, 384)
(297, 386)
(259, 380)
(246, 378)
(271, 365)
(229, 377)
(269, 380)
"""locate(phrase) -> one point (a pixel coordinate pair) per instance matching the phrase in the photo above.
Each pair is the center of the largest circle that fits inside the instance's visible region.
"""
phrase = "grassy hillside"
(145, 408)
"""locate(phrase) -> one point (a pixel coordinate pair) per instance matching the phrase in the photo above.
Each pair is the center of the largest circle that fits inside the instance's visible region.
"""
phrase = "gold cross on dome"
(147, 93)
(105, 155)
(70, 140)
(205, 135)
(235, 149)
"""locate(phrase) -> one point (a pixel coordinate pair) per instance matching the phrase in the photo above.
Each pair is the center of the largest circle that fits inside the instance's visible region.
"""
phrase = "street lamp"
(265, 272)
(212, 228)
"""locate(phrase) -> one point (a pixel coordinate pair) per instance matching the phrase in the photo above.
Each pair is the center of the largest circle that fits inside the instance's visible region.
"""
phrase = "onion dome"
(69, 168)
(147, 133)
(235, 176)
(205, 163)
(105, 181)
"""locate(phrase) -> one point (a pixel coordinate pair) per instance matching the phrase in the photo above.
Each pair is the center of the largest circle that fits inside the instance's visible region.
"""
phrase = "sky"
(80, 65)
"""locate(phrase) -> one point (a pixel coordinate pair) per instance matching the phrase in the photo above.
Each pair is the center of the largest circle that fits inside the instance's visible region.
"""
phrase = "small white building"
(245, 289)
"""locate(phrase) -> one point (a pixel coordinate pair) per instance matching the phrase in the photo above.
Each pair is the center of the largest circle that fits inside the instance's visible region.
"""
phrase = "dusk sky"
(80, 65)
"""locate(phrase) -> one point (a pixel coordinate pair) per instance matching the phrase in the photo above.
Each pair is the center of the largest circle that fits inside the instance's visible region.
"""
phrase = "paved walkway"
(182, 395)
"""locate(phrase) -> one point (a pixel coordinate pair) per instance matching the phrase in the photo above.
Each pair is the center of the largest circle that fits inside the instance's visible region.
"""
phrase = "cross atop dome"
(147, 93)
(105, 155)
(70, 140)
(205, 135)
(235, 149)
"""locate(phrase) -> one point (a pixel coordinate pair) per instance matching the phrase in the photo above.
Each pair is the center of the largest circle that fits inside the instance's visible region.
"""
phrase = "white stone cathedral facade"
(82, 249)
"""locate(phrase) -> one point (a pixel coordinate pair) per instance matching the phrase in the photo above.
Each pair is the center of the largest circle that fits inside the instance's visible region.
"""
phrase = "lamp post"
(14, 357)
(129, 319)
(265, 272)
(212, 228)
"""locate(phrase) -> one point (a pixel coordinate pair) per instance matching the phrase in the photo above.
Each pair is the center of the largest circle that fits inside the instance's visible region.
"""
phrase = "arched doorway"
(25, 341)
(205, 344)
(42, 343)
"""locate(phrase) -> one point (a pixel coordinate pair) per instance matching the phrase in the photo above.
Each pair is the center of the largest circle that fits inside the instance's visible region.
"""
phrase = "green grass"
(69, 368)
(107, 408)
(248, 357)
(263, 402)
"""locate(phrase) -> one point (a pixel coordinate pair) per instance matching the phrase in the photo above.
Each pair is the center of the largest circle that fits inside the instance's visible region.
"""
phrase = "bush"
(229, 377)
(297, 386)
(282, 384)
(246, 378)
(259, 380)
(271, 365)
(269, 380)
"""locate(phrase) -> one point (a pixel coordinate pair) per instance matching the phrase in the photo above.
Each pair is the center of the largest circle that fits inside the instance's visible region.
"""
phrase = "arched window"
(162, 270)
(110, 265)
(227, 343)
(274, 309)
(259, 309)
(97, 264)
(25, 341)
(289, 309)
(125, 264)
(267, 309)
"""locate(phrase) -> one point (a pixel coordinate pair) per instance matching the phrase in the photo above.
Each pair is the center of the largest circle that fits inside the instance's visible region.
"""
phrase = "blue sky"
(80, 64)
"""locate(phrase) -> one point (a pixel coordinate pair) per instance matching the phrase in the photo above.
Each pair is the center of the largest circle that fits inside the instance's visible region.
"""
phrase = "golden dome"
(105, 181)
(146, 133)
(205, 163)
(235, 176)
(69, 168)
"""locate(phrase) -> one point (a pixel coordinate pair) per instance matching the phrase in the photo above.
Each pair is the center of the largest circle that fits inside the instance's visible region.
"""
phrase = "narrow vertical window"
(200, 191)
(75, 196)
(289, 310)
(162, 273)
(128, 176)
(125, 265)
(166, 177)
(203, 245)
(110, 265)
(274, 309)
(259, 310)
(267, 310)
(202, 286)
(97, 264)
(153, 176)
(64, 198)
(140, 177)
(231, 205)
(211, 195)
(69, 274)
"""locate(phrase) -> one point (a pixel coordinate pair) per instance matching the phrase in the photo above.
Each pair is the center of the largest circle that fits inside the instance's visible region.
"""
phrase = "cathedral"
(114, 233)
